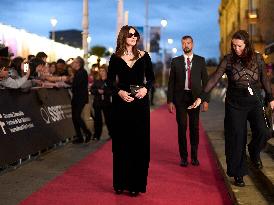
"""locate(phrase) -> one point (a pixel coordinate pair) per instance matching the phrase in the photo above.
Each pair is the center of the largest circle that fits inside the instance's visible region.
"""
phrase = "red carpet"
(90, 180)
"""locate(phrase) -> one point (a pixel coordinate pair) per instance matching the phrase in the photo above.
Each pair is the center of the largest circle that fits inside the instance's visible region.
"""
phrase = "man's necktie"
(189, 72)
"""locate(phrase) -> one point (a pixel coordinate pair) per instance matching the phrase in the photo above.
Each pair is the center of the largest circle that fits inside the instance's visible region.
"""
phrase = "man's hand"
(204, 107)
(171, 107)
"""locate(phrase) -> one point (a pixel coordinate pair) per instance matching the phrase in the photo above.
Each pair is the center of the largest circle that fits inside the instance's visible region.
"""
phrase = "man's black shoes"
(239, 181)
(257, 163)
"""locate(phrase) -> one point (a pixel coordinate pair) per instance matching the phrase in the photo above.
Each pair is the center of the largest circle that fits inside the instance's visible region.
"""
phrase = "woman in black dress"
(245, 70)
(130, 75)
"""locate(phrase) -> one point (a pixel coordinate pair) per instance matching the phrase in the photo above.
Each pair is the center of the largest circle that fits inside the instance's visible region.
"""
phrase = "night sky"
(198, 18)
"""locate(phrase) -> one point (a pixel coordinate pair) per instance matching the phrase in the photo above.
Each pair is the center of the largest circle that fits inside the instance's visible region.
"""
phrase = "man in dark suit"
(188, 76)
(79, 99)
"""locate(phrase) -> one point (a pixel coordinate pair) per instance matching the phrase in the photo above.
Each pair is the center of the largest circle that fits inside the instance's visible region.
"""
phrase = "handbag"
(268, 121)
(267, 112)
(134, 89)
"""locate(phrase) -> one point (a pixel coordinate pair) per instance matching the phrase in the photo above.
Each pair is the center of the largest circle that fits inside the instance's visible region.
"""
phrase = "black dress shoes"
(239, 181)
(183, 163)
(195, 162)
(257, 163)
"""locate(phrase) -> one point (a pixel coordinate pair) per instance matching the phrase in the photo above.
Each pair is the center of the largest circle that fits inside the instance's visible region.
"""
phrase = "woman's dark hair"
(121, 42)
(33, 64)
(248, 53)
(16, 65)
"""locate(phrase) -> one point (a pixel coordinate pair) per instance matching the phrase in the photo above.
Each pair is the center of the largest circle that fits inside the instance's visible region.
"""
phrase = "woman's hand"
(125, 96)
(195, 104)
(141, 93)
(272, 105)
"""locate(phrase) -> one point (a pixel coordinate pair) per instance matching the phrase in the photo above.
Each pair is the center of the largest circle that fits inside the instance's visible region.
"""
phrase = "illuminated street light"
(53, 22)
(164, 23)
(170, 41)
(174, 50)
(110, 49)
(89, 39)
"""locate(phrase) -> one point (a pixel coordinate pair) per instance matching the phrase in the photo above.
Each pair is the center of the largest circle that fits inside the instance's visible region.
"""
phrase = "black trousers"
(238, 111)
(98, 119)
(181, 116)
(77, 120)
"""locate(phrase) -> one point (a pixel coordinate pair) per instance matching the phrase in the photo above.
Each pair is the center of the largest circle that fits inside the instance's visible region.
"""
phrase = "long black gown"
(131, 124)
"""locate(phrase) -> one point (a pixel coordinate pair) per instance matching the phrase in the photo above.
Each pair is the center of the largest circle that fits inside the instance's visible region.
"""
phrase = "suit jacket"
(80, 88)
(104, 99)
(177, 77)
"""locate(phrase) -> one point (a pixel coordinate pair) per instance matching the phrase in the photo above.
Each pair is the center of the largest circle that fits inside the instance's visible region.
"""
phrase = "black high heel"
(118, 191)
(133, 193)
(239, 181)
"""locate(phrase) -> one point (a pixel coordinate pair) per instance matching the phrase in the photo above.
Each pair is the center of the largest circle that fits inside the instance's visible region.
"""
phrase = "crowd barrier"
(33, 121)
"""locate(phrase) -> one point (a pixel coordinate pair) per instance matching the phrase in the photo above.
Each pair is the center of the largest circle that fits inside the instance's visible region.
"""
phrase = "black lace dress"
(242, 104)
(239, 77)
(131, 124)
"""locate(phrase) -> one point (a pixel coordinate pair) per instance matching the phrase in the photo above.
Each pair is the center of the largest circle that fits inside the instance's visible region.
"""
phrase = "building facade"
(254, 16)
(70, 37)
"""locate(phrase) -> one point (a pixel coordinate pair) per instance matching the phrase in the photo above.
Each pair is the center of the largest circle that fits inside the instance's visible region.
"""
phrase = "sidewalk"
(259, 183)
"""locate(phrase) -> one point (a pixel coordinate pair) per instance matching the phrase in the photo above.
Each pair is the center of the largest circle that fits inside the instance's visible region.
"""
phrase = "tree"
(99, 51)
(211, 62)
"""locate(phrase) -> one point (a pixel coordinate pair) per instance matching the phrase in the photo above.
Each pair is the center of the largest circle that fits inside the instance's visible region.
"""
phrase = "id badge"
(250, 90)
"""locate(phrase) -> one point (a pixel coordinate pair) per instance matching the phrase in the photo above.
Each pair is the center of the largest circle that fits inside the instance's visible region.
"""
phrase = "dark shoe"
(239, 181)
(257, 163)
(96, 138)
(78, 140)
(118, 191)
(88, 137)
(133, 193)
(195, 162)
(183, 163)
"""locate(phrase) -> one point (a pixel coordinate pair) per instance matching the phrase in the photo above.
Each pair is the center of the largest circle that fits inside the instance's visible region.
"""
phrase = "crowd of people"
(33, 71)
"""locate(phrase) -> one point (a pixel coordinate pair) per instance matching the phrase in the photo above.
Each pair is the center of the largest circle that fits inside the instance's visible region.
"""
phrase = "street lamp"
(89, 40)
(164, 24)
(170, 41)
(53, 22)
(174, 50)
(110, 50)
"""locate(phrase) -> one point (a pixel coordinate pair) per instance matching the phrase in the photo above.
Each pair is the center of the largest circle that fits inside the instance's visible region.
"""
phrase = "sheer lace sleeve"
(265, 81)
(215, 77)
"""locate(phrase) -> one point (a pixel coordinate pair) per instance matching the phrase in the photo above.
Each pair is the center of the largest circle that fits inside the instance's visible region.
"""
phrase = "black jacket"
(176, 84)
(101, 99)
(80, 88)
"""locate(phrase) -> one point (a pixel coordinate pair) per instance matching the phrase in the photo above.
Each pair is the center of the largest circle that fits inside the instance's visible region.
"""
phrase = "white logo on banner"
(52, 114)
(2, 124)
(15, 122)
